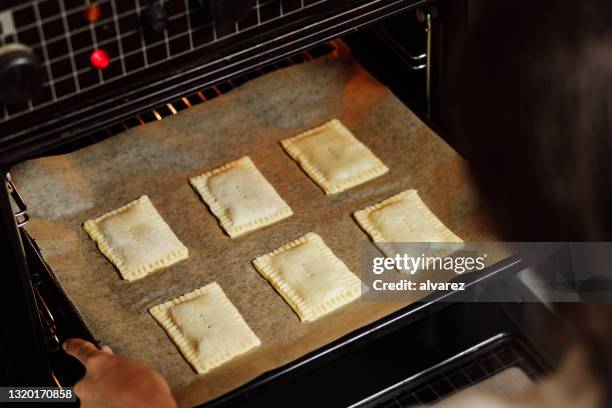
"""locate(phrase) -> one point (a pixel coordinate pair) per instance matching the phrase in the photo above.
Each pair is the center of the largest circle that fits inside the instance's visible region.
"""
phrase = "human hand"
(114, 381)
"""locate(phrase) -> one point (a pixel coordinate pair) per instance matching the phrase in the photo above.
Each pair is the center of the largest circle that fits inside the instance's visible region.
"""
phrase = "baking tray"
(158, 158)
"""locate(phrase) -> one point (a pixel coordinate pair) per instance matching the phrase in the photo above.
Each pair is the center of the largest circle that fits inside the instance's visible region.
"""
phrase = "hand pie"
(309, 277)
(333, 157)
(206, 327)
(136, 239)
(403, 218)
(240, 197)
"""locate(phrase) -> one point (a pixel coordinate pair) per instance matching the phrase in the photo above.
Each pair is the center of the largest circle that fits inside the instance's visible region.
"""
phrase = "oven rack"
(458, 373)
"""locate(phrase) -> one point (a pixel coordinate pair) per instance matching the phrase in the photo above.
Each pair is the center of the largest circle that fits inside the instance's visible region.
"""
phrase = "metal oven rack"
(458, 373)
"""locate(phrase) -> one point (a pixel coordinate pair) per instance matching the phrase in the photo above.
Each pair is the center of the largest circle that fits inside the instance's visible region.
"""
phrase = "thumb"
(80, 349)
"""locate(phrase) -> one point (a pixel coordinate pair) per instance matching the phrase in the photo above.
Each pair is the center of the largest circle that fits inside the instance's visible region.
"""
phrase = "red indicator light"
(99, 59)
(92, 13)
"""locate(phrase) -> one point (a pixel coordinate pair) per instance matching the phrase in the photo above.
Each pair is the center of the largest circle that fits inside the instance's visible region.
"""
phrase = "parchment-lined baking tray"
(158, 158)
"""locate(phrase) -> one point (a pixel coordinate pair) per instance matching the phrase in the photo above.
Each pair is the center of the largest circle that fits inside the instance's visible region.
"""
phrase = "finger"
(107, 349)
(82, 389)
(80, 349)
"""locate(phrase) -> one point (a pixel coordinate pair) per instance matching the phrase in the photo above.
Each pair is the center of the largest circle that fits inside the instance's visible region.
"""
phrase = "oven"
(166, 57)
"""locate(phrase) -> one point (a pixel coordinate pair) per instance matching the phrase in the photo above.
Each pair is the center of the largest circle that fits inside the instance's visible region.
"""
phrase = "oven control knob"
(20, 74)
(154, 19)
(229, 10)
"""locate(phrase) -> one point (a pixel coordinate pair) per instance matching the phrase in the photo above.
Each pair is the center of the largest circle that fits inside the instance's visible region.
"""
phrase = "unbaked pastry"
(403, 218)
(240, 197)
(333, 157)
(309, 277)
(206, 327)
(136, 239)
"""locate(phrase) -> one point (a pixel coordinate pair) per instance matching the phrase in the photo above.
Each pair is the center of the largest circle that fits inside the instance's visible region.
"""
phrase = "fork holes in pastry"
(244, 196)
(333, 153)
(308, 272)
(207, 325)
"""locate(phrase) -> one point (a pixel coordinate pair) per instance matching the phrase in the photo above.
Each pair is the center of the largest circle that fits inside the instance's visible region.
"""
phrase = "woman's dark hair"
(534, 118)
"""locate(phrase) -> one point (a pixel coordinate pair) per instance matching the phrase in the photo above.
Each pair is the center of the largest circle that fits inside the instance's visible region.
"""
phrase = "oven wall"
(386, 48)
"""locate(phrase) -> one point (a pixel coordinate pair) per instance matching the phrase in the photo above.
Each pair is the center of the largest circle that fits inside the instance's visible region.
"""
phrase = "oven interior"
(411, 52)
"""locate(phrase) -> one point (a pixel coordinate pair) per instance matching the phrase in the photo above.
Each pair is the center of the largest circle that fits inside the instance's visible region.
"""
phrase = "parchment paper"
(158, 158)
